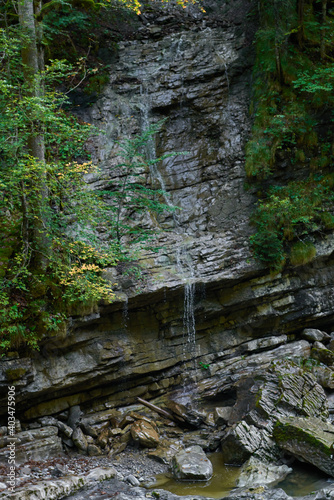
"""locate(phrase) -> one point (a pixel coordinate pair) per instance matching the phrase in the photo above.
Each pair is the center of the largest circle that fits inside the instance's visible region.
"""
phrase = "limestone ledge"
(59, 488)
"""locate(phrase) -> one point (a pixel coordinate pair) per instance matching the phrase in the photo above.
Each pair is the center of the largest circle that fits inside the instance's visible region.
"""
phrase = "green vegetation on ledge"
(291, 152)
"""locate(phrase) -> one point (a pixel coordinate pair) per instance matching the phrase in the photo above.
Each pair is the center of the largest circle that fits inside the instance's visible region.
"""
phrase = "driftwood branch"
(164, 413)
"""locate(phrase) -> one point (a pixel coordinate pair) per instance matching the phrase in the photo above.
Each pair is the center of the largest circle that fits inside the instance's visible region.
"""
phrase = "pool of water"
(222, 482)
(302, 481)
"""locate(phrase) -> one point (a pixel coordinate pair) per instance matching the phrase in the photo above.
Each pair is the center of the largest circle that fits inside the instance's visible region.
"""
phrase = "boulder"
(186, 413)
(79, 439)
(313, 335)
(74, 418)
(192, 464)
(243, 440)
(126, 421)
(288, 389)
(325, 356)
(222, 415)
(197, 438)
(64, 429)
(116, 431)
(166, 450)
(131, 479)
(101, 419)
(34, 444)
(46, 421)
(310, 440)
(331, 405)
(93, 450)
(89, 430)
(143, 433)
(259, 493)
(116, 449)
(324, 376)
(59, 488)
(125, 435)
(255, 472)
(102, 439)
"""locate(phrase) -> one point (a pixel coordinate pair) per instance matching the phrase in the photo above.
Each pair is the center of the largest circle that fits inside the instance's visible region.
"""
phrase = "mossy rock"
(302, 253)
(79, 308)
(323, 355)
(327, 220)
(309, 439)
(13, 374)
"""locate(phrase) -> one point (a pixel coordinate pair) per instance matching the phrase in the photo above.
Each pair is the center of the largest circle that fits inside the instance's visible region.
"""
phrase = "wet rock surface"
(243, 440)
(35, 444)
(308, 439)
(144, 433)
(273, 401)
(192, 464)
(255, 472)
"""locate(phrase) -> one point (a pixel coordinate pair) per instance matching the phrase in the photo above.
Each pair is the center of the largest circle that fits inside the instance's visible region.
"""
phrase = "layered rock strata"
(241, 317)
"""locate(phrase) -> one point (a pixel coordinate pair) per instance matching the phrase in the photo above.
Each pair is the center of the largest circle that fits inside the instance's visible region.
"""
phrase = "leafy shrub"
(268, 248)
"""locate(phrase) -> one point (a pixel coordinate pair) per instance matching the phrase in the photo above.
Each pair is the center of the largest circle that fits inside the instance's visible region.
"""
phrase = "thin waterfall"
(186, 270)
(227, 78)
(125, 312)
(150, 145)
(184, 264)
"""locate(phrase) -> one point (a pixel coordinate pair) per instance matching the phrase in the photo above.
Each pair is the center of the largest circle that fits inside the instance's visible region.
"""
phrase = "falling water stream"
(184, 263)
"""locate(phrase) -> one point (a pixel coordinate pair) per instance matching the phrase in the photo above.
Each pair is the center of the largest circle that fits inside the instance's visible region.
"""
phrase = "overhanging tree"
(50, 258)
(32, 70)
(43, 268)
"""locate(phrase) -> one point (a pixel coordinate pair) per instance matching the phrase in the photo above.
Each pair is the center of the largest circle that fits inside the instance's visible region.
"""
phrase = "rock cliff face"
(207, 315)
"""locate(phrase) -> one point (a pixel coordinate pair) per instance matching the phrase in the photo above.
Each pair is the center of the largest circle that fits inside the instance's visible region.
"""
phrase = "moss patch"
(302, 253)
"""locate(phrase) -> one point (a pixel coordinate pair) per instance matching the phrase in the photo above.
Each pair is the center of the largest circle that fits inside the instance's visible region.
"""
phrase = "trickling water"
(179, 44)
(150, 144)
(189, 314)
(184, 262)
(186, 270)
(227, 78)
(125, 312)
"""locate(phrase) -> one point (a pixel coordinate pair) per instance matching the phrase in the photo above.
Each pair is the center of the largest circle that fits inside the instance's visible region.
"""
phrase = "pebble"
(128, 464)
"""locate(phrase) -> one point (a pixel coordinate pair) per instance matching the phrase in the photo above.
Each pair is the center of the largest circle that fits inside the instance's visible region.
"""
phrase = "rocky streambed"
(125, 478)
(279, 413)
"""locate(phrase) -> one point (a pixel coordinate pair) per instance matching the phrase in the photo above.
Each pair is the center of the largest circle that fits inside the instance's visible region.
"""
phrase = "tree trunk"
(33, 62)
(301, 28)
(323, 31)
(279, 71)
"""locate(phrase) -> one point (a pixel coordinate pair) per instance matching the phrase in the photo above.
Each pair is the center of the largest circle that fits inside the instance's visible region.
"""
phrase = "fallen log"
(164, 413)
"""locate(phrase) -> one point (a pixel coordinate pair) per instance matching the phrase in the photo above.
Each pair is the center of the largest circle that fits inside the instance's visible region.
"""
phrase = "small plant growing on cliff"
(130, 198)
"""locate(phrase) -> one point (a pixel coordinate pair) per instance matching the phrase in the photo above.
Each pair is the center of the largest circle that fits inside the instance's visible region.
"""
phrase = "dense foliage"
(43, 267)
(51, 260)
(290, 155)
